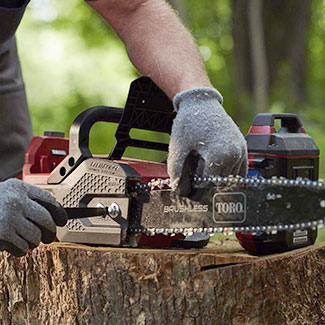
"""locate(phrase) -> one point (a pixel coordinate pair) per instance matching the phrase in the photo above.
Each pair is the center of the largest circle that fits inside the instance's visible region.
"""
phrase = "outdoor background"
(262, 55)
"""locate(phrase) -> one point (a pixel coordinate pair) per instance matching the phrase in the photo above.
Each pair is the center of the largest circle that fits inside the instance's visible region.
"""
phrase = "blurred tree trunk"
(258, 55)
(180, 7)
(243, 64)
(284, 27)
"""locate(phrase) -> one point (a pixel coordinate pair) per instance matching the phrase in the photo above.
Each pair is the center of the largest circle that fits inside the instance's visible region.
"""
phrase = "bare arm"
(160, 47)
(157, 43)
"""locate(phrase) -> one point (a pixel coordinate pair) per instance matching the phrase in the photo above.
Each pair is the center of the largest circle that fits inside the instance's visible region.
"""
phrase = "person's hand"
(204, 140)
(28, 215)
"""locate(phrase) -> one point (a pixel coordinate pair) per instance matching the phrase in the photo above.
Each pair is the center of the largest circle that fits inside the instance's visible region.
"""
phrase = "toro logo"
(229, 207)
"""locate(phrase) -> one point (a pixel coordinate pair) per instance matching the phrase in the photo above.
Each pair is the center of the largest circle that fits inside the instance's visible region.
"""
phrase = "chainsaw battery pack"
(284, 152)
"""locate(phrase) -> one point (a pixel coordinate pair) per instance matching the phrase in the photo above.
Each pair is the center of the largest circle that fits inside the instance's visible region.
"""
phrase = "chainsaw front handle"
(147, 108)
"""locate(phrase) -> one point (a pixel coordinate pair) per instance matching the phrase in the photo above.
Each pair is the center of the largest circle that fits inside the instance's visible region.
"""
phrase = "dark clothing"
(10, 17)
(15, 124)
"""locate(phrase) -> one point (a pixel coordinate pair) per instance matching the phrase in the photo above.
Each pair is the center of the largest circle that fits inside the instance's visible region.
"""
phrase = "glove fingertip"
(12, 249)
(57, 212)
(181, 185)
(61, 218)
(47, 236)
(184, 186)
(243, 169)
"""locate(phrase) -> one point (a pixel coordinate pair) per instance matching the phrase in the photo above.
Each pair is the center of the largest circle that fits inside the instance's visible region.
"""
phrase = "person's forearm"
(157, 43)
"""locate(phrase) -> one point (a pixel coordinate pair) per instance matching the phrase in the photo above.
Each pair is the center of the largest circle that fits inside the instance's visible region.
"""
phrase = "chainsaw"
(120, 201)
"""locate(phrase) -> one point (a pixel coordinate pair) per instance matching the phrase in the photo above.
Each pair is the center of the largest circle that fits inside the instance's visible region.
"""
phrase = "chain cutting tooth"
(151, 232)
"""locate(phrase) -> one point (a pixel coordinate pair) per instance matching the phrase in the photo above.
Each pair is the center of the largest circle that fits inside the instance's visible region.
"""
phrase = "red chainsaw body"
(45, 153)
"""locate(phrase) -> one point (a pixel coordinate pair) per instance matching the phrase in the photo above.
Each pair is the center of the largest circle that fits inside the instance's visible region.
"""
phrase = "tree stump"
(73, 284)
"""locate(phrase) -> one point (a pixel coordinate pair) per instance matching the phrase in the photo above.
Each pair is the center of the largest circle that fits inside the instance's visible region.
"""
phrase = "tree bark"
(244, 76)
(284, 25)
(74, 284)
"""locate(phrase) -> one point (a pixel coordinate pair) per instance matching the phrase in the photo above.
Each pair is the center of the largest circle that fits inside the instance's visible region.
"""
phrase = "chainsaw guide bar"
(231, 204)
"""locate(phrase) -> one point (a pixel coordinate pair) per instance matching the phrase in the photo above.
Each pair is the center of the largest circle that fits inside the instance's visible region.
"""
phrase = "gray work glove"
(28, 215)
(204, 140)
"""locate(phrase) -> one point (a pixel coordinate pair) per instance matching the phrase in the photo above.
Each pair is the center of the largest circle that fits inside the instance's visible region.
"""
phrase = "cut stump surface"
(73, 284)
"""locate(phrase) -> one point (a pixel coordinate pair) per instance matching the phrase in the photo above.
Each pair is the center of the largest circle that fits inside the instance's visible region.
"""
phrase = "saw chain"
(268, 205)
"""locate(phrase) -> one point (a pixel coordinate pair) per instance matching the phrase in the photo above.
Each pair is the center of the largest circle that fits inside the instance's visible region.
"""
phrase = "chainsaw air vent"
(93, 184)
(75, 225)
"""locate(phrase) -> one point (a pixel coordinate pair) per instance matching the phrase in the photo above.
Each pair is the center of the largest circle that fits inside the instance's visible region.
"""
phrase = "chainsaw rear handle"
(290, 123)
(79, 138)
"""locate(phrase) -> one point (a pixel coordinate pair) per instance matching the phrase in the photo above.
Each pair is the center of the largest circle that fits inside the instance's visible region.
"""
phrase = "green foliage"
(211, 27)
(71, 63)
